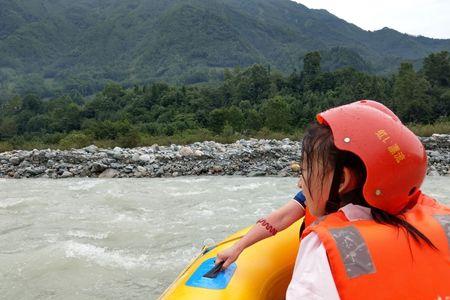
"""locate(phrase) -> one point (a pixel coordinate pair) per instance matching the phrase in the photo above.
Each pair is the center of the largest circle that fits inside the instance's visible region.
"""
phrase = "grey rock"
(50, 155)
(265, 148)
(186, 151)
(117, 155)
(61, 165)
(221, 149)
(91, 149)
(433, 173)
(141, 169)
(117, 166)
(137, 174)
(66, 174)
(128, 169)
(146, 158)
(107, 161)
(160, 172)
(244, 157)
(75, 171)
(198, 153)
(24, 164)
(433, 153)
(14, 160)
(256, 174)
(109, 173)
(217, 169)
(50, 171)
(97, 167)
(283, 174)
(35, 171)
(101, 155)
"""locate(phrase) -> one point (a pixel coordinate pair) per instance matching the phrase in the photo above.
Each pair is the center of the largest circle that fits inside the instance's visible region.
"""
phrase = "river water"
(125, 238)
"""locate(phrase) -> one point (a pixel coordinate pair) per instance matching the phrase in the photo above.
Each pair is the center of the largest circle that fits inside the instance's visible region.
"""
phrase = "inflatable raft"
(262, 271)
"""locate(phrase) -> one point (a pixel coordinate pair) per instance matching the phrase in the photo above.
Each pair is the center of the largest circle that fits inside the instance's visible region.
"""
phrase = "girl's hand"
(228, 256)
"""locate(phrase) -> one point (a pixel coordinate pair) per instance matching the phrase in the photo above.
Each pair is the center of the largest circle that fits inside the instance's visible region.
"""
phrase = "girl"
(377, 236)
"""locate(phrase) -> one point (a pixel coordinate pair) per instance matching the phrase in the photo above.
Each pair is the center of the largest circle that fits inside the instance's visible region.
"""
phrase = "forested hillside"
(54, 47)
(254, 101)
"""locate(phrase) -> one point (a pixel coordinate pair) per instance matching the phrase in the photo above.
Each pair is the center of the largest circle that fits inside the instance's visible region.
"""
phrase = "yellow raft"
(262, 271)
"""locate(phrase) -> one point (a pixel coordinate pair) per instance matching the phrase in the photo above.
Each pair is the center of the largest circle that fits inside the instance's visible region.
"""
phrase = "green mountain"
(61, 45)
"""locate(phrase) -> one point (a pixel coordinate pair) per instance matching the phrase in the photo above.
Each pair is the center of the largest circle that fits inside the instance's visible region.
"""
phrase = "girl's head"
(330, 177)
(361, 153)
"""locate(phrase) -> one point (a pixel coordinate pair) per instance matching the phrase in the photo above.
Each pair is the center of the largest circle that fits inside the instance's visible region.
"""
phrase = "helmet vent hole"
(412, 191)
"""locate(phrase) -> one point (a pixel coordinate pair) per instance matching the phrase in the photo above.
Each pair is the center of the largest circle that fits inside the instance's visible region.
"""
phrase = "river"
(125, 238)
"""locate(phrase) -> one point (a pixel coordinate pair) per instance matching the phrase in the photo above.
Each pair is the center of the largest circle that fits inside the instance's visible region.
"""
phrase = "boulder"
(109, 173)
(66, 174)
(295, 167)
(186, 151)
(91, 149)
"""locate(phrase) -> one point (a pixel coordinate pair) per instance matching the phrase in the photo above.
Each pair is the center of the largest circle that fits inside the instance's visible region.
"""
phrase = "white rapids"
(125, 238)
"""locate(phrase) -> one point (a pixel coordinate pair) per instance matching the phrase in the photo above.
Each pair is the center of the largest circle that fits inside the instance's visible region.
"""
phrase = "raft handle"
(214, 271)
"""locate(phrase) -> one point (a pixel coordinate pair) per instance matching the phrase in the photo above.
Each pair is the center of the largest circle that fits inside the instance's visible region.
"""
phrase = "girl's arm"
(280, 219)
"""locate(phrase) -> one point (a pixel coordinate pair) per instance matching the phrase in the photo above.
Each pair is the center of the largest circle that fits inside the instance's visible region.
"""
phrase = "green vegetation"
(429, 129)
(252, 102)
(65, 47)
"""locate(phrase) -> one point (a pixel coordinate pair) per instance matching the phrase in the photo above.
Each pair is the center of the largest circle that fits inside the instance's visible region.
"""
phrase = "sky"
(430, 18)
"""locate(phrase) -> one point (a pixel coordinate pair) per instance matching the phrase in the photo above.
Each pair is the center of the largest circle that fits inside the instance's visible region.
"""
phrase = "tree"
(107, 129)
(436, 68)
(311, 64)
(32, 103)
(442, 108)
(311, 71)
(253, 120)
(8, 128)
(235, 118)
(253, 84)
(113, 91)
(13, 106)
(217, 119)
(38, 124)
(276, 113)
(64, 115)
(411, 100)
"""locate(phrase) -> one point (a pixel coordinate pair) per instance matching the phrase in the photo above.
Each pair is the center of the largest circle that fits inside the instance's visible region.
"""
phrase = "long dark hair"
(318, 145)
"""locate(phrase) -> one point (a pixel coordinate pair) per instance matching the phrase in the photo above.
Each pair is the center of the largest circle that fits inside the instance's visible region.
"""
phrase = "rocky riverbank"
(244, 157)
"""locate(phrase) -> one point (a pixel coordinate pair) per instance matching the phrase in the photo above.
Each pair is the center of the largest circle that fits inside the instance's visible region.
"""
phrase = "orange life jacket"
(369, 260)
(308, 220)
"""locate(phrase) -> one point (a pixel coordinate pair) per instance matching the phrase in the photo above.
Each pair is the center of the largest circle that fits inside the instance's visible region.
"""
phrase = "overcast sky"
(429, 18)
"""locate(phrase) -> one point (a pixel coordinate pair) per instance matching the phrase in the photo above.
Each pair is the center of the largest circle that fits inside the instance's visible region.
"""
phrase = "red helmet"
(395, 159)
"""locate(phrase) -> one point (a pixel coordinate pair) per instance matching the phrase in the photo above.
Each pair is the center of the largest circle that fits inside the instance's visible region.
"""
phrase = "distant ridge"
(49, 45)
